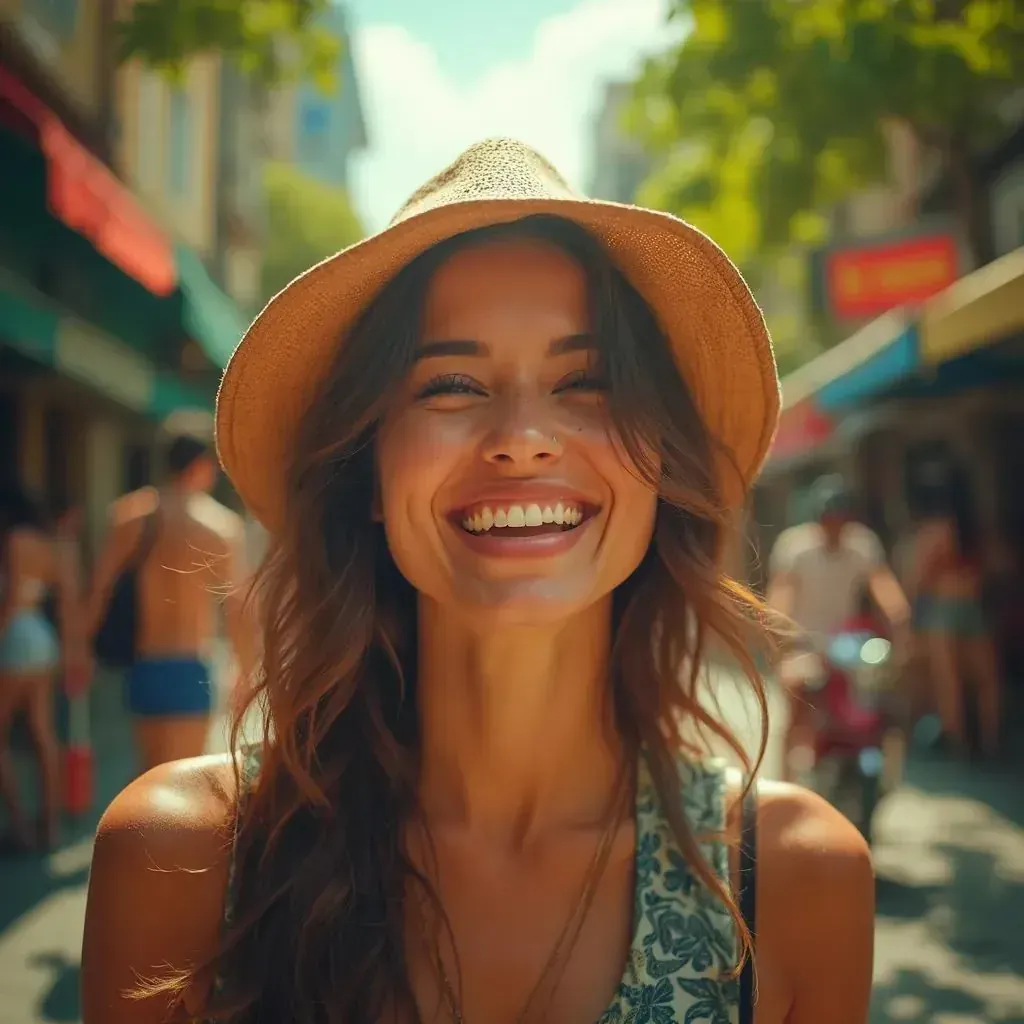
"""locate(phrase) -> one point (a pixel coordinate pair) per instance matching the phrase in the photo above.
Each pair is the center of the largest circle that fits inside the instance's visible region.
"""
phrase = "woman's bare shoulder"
(159, 878)
(802, 835)
(183, 806)
(803, 841)
(815, 903)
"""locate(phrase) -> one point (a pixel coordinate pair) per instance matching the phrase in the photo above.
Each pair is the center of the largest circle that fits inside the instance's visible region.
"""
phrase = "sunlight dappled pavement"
(950, 868)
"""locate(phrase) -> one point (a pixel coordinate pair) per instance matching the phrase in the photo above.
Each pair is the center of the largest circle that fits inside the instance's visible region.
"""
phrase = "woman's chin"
(524, 602)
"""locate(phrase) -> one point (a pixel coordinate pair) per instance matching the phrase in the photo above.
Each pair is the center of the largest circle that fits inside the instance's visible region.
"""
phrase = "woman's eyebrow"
(571, 343)
(439, 348)
(451, 347)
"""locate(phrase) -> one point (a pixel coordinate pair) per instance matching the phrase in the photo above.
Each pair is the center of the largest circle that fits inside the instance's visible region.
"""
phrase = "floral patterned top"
(684, 948)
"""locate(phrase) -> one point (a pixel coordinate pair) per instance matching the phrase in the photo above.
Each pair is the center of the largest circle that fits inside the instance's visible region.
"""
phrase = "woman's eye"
(584, 380)
(450, 384)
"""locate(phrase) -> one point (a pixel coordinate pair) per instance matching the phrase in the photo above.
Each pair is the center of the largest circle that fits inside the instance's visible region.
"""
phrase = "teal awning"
(29, 327)
(208, 315)
(172, 395)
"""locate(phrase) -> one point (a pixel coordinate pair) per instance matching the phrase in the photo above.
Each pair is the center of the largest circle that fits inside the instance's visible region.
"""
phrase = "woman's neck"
(517, 725)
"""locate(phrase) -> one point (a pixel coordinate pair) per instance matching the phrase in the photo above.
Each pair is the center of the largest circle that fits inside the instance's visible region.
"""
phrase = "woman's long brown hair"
(317, 927)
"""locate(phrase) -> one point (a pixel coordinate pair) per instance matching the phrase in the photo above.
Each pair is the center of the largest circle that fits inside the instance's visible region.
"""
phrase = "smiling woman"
(498, 447)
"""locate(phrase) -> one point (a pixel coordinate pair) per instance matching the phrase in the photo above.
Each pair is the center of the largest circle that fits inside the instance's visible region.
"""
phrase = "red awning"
(84, 194)
(802, 428)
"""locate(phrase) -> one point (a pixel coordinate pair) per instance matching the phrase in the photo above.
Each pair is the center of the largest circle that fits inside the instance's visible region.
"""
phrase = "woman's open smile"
(537, 522)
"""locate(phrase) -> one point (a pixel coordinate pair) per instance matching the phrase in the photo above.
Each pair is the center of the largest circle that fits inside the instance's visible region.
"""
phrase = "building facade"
(241, 214)
(620, 163)
(109, 322)
(317, 131)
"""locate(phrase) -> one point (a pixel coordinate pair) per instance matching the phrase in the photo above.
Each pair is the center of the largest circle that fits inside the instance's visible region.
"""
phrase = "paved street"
(950, 867)
(950, 864)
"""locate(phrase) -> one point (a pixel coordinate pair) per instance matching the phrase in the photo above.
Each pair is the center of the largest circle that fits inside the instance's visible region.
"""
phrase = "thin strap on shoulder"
(250, 755)
(748, 899)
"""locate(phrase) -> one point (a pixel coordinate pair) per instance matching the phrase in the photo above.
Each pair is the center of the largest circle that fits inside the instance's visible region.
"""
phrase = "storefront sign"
(867, 282)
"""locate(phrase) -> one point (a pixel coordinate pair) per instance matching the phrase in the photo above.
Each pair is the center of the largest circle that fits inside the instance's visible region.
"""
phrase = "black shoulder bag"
(116, 640)
(748, 899)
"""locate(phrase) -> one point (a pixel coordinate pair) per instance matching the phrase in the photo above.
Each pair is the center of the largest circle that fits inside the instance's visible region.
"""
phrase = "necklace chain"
(588, 890)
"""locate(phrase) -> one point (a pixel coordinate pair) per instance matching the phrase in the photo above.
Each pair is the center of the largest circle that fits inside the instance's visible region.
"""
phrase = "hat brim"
(704, 307)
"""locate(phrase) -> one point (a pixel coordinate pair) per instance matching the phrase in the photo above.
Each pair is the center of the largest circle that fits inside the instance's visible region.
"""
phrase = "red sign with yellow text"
(870, 281)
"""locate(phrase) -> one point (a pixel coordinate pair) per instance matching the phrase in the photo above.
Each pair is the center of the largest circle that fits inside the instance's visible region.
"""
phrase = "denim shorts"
(29, 643)
(959, 616)
(169, 686)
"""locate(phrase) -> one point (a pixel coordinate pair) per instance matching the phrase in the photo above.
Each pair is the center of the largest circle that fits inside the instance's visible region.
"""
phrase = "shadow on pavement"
(60, 1004)
(986, 913)
(913, 998)
(904, 900)
(27, 882)
(973, 907)
(996, 785)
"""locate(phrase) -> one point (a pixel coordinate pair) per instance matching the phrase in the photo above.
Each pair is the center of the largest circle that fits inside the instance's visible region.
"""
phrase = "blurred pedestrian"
(947, 588)
(818, 574)
(183, 552)
(35, 564)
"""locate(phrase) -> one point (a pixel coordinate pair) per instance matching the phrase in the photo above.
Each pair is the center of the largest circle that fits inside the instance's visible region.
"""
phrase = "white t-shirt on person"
(829, 583)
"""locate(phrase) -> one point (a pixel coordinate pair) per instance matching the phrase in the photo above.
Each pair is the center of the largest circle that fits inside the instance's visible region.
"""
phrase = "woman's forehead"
(505, 282)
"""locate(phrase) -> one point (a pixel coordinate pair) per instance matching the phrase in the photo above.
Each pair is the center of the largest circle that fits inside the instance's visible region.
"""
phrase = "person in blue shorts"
(187, 553)
(34, 565)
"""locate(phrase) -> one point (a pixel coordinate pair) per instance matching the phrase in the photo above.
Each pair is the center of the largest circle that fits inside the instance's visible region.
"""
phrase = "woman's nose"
(523, 436)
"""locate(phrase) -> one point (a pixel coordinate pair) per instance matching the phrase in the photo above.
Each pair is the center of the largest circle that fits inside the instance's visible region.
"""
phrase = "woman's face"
(501, 484)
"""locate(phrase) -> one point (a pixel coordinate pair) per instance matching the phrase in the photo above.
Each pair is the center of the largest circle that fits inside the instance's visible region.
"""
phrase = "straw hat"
(705, 309)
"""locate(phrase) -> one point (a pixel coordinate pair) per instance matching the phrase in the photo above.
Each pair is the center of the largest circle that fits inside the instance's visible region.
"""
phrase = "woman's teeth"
(517, 516)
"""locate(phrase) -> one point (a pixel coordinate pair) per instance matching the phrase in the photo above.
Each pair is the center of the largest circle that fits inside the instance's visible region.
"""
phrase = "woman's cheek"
(417, 450)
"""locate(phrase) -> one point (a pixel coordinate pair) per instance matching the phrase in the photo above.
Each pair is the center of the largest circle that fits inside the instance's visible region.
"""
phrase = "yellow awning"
(983, 307)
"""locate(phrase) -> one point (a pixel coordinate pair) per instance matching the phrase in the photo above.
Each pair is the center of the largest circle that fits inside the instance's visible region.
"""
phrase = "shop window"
(58, 434)
(180, 138)
(138, 469)
(147, 156)
(8, 437)
(927, 469)
(1008, 209)
(315, 123)
(59, 18)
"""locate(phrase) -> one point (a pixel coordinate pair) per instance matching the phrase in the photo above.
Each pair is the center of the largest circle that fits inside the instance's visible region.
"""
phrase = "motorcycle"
(856, 754)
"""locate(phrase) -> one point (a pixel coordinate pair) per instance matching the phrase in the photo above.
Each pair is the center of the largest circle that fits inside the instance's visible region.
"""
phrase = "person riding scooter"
(817, 574)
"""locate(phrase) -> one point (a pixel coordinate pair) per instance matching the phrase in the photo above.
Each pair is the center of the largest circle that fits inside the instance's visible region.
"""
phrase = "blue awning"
(872, 361)
(882, 370)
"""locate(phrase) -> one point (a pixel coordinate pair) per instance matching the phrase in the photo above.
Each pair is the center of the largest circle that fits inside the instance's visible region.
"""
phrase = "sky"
(438, 75)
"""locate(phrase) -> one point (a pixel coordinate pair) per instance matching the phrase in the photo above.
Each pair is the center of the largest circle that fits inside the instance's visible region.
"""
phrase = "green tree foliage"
(307, 222)
(768, 111)
(273, 40)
